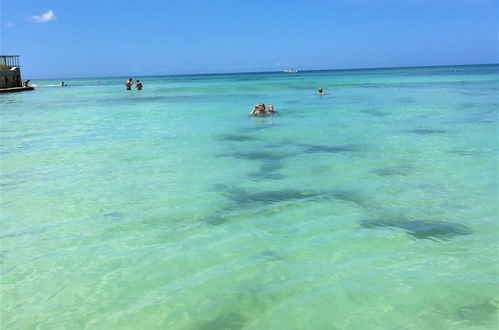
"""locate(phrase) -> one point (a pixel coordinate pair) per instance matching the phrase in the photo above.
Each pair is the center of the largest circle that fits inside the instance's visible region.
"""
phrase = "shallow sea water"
(373, 206)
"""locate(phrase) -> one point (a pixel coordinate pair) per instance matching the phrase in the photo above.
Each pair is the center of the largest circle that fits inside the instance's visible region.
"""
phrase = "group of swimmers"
(129, 83)
(259, 109)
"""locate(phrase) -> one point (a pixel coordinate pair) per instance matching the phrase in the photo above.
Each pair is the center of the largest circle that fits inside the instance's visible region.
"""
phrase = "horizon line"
(273, 71)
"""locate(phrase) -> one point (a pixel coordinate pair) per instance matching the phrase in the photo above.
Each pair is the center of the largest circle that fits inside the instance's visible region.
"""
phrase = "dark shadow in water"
(479, 120)
(236, 137)
(270, 255)
(260, 155)
(265, 204)
(330, 149)
(228, 321)
(318, 148)
(215, 220)
(467, 152)
(393, 170)
(288, 195)
(242, 197)
(376, 113)
(479, 314)
(113, 214)
(272, 197)
(349, 196)
(268, 170)
(485, 106)
(488, 116)
(271, 162)
(422, 229)
(243, 203)
(271, 166)
(263, 175)
(225, 189)
(474, 93)
(426, 131)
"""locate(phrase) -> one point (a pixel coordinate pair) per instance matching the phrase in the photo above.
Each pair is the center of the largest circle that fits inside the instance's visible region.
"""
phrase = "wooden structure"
(9, 61)
(10, 74)
(16, 89)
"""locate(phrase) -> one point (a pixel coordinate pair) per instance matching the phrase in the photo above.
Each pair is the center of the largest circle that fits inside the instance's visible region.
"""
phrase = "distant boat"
(290, 71)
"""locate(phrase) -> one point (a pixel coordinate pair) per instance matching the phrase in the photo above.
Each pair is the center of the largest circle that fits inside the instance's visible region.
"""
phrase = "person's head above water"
(270, 107)
(258, 110)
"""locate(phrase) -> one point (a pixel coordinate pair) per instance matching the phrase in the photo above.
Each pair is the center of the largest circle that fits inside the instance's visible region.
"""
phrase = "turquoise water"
(373, 206)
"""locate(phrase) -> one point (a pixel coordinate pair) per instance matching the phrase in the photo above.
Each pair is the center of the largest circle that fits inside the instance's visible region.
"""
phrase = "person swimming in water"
(320, 92)
(258, 110)
(271, 110)
(128, 84)
(261, 109)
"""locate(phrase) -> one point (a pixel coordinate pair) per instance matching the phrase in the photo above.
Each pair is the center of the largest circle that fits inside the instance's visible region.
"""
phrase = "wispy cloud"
(44, 18)
(8, 25)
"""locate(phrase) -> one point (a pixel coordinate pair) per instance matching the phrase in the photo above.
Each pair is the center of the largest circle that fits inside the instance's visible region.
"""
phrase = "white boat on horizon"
(290, 71)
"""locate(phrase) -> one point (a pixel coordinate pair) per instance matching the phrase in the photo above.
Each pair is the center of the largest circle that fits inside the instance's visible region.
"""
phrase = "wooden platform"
(16, 89)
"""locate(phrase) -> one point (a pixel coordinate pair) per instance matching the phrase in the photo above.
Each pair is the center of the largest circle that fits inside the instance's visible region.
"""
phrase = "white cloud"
(8, 25)
(44, 18)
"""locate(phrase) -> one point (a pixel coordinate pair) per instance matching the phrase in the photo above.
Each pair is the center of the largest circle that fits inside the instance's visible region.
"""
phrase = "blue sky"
(60, 39)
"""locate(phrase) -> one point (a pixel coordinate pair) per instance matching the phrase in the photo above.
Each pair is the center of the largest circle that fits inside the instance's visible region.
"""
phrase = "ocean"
(374, 206)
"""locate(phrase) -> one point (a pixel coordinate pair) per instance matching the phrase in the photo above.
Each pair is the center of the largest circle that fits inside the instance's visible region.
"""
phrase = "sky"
(98, 38)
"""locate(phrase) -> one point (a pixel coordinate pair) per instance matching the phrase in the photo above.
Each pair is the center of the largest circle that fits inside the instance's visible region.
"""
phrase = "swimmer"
(261, 109)
(138, 85)
(128, 84)
(258, 110)
(320, 92)
(271, 110)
